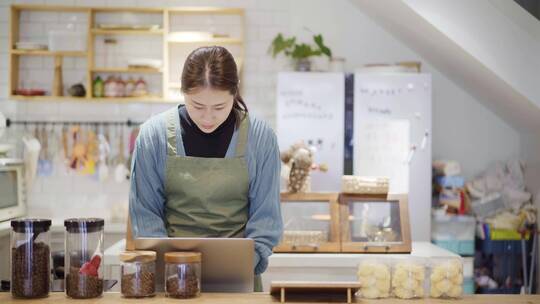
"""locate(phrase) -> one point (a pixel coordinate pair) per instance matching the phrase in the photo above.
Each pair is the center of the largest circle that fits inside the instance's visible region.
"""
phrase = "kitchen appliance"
(12, 193)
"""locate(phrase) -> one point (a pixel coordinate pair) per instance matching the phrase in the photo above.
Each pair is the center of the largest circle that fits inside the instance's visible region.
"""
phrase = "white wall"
(463, 129)
(62, 195)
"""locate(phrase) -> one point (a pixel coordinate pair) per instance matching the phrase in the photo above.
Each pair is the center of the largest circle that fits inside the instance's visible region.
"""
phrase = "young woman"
(208, 169)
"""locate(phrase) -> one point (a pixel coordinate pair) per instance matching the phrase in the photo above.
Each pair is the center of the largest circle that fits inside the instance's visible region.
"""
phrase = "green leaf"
(280, 44)
(323, 48)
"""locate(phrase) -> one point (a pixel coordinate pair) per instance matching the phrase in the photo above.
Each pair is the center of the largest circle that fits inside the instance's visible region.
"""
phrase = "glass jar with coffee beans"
(84, 257)
(182, 274)
(138, 278)
(30, 258)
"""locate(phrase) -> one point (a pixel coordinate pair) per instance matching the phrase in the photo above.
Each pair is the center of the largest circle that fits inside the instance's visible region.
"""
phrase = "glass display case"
(311, 222)
(374, 223)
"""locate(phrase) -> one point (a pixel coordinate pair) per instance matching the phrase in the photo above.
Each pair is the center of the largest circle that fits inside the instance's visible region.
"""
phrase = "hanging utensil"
(120, 170)
(89, 162)
(45, 163)
(78, 154)
(104, 151)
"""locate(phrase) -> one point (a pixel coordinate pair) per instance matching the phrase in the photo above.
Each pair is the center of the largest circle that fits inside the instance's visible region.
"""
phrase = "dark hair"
(212, 67)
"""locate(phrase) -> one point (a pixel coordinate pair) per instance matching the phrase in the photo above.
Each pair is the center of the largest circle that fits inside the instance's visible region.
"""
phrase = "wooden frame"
(332, 199)
(92, 32)
(350, 246)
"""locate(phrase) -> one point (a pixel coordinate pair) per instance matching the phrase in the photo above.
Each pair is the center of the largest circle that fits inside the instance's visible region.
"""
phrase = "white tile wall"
(62, 196)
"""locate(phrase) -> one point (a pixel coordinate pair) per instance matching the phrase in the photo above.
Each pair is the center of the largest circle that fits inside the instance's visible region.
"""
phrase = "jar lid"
(31, 225)
(137, 256)
(81, 225)
(182, 257)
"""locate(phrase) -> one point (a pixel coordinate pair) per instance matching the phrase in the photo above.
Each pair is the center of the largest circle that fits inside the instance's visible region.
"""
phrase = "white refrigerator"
(392, 137)
(310, 108)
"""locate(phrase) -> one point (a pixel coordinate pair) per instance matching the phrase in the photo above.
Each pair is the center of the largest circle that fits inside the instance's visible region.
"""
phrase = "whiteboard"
(392, 127)
(383, 147)
(310, 108)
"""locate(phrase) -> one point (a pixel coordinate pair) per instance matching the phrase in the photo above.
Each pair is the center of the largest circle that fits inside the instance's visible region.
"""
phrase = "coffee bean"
(184, 284)
(82, 286)
(30, 270)
(139, 284)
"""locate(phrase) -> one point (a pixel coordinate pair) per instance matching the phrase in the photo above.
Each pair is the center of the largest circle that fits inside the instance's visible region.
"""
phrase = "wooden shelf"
(206, 10)
(126, 32)
(50, 8)
(139, 10)
(148, 99)
(126, 70)
(93, 31)
(49, 53)
(208, 41)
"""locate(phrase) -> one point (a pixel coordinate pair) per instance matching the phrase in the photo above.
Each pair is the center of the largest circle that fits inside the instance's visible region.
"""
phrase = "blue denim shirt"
(147, 192)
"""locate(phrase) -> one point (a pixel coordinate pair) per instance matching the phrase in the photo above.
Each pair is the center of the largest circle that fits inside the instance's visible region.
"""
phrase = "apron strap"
(171, 117)
(242, 134)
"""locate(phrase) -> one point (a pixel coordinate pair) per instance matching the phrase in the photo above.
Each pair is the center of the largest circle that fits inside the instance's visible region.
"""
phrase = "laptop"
(227, 263)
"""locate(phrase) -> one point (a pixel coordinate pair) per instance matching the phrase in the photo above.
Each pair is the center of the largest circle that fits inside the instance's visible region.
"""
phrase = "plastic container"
(408, 278)
(456, 227)
(30, 258)
(182, 274)
(138, 274)
(454, 233)
(374, 277)
(446, 278)
(456, 246)
(67, 40)
(84, 257)
(468, 286)
(468, 267)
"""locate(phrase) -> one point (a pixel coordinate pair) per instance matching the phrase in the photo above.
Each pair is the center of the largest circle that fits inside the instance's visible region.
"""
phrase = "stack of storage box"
(456, 233)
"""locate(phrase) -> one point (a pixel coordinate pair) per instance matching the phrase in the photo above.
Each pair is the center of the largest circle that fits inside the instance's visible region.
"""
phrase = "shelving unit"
(94, 31)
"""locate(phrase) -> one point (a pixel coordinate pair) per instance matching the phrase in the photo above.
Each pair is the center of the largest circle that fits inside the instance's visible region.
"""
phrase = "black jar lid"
(81, 225)
(31, 225)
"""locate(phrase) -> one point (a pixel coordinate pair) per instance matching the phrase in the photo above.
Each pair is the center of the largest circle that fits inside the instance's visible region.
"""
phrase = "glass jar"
(84, 257)
(374, 278)
(138, 274)
(446, 278)
(408, 278)
(182, 274)
(30, 258)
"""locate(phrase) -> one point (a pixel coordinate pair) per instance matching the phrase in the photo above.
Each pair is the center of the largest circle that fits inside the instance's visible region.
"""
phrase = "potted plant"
(300, 53)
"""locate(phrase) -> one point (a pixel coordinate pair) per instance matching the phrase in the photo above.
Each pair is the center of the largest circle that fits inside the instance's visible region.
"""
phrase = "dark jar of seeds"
(84, 258)
(182, 274)
(138, 274)
(30, 258)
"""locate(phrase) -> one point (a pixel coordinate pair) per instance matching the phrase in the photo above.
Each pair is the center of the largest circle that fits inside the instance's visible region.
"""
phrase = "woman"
(208, 169)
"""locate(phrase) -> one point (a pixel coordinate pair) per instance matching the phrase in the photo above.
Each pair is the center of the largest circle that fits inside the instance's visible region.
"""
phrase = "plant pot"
(302, 65)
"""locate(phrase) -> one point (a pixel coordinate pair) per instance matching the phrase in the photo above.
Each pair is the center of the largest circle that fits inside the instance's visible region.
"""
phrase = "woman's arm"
(265, 224)
(146, 197)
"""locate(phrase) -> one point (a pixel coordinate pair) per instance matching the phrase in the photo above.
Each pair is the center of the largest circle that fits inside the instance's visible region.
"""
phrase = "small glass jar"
(446, 278)
(84, 257)
(30, 258)
(138, 274)
(408, 278)
(182, 274)
(374, 278)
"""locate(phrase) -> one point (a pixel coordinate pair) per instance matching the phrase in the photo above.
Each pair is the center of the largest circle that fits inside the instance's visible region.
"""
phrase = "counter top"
(260, 298)
(419, 249)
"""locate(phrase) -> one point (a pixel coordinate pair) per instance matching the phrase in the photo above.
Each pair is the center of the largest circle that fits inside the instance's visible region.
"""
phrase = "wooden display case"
(374, 223)
(94, 32)
(311, 222)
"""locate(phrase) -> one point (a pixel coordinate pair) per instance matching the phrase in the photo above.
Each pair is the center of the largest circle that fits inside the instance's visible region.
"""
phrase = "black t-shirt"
(200, 144)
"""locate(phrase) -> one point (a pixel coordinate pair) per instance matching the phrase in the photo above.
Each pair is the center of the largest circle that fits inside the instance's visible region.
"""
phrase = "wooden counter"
(260, 298)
